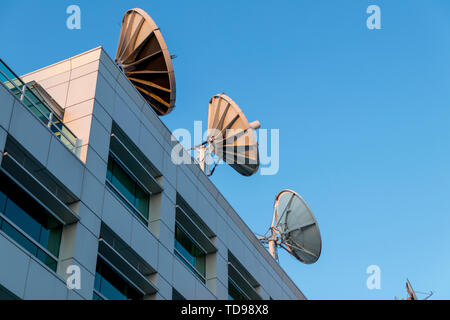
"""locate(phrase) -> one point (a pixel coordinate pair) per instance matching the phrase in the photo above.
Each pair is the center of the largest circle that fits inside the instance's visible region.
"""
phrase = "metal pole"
(273, 249)
(202, 158)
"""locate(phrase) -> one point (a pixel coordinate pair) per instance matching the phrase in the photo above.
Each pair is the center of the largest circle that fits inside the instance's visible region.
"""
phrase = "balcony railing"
(39, 108)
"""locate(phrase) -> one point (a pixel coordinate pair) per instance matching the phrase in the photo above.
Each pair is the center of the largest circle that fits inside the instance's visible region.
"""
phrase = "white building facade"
(87, 183)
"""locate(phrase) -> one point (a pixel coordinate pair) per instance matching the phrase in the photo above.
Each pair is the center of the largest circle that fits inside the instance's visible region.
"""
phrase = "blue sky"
(363, 117)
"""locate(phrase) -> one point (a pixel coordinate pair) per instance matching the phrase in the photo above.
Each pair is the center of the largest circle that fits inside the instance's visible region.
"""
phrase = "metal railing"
(39, 108)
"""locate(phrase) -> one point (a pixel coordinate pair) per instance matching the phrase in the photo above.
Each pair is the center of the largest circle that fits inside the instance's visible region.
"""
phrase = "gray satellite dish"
(294, 228)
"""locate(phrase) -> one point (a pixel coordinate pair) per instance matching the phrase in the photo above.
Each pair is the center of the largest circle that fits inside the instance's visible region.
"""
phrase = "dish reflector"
(410, 290)
(297, 227)
(143, 56)
(231, 136)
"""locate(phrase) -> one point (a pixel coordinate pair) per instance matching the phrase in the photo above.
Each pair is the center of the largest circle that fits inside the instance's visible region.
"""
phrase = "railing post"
(23, 92)
(78, 143)
(50, 120)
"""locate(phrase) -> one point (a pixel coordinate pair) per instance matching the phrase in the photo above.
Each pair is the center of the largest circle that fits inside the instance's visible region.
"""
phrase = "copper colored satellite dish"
(410, 290)
(294, 228)
(231, 136)
(143, 56)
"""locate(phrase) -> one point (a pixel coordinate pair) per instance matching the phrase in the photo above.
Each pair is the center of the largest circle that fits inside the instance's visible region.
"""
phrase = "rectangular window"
(234, 292)
(241, 284)
(176, 295)
(190, 253)
(24, 220)
(123, 184)
(111, 285)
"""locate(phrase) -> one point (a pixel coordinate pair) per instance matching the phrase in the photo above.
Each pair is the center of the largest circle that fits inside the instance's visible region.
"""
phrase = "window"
(24, 220)
(190, 253)
(234, 292)
(241, 284)
(122, 183)
(112, 286)
(176, 295)
(5, 294)
(192, 239)
(131, 269)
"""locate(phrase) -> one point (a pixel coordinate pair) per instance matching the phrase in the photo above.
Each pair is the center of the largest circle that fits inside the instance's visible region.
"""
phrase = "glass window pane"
(109, 289)
(96, 297)
(112, 286)
(141, 201)
(128, 188)
(19, 238)
(24, 221)
(123, 183)
(2, 202)
(190, 251)
(176, 295)
(51, 238)
(45, 258)
(110, 169)
(31, 219)
(200, 264)
(234, 293)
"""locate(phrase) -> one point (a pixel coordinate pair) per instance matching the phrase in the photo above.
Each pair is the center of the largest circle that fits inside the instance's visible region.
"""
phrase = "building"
(86, 180)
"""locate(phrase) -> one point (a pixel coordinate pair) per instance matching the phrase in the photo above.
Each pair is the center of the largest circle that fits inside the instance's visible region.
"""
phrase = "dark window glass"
(28, 245)
(31, 219)
(176, 295)
(141, 201)
(110, 169)
(112, 286)
(137, 198)
(96, 297)
(19, 238)
(123, 182)
(2, 202)
(22, 219)
(190, 252)
(234, 293)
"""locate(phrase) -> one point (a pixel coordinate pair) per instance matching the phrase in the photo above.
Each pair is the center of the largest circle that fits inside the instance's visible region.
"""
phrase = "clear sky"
(363, 117)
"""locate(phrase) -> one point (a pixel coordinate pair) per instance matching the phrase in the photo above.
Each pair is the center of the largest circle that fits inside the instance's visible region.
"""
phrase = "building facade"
(88, 188)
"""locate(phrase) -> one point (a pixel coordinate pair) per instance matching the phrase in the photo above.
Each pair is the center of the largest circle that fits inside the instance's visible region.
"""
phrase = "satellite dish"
(294, 228)
(412, 293)
(143, 56)
(410, 290)
(230, 137)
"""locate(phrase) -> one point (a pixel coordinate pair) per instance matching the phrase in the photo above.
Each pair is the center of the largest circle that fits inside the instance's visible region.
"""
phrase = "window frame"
(130, 271)
(31, 194)
(129, 172)
(208, 246)
(6, 175)
(178, 295)
(33, 241)
(179, 255)
(235, 269)
(122, 197)
(121, 145)
(241, 291)
(103, 298)
(118, 273)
